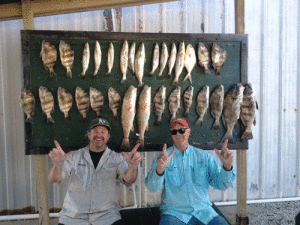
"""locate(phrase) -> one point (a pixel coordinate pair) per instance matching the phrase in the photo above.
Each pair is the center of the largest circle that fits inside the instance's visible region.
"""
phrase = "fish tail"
(158, 122)
(29, 119)
(188, 76)
(115, 117)
(51, 73)
(247, 134)
(85, 119)
(150, 74)
(108, 73)
(69, 73)
(141, 142)
(50, 119)
(207, 71)
(186, 114)
(169, 74)
(124, 81)
(218, 72)
(67, 119)
(93, 76)
(228, 135)
(216, 125)
(140, 84)
(199, 122)
(125, 143)
(159, 74)
(175, 82)
(99, 114)
(173, 117)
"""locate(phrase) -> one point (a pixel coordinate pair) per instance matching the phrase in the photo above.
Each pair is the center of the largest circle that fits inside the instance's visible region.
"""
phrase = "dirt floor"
(280, 213)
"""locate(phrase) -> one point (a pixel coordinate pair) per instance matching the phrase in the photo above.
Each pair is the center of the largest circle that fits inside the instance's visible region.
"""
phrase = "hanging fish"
(66, 56)
(110, 58)
(124, 61)
(49, 56)
(179, 62)
(155, 60)
(96, 100)
(216, 105)
(82, 102)
(163, 59)
(65, 101)
(139, 63)
(159, 104)
(85, 59)
(97, 57)
(190, 61)
(204, 57)
(203, 104)
(131, 57)
(114, 100)
(47, 103)
(174, 102)
(27, 104)
(218, 56)
(188, 100)
(172, 60)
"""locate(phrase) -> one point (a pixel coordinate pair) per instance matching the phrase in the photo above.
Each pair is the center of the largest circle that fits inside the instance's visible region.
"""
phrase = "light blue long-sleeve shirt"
(185, 184)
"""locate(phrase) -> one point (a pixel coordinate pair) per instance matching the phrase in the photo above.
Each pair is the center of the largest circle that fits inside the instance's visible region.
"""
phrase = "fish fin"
(218, 72)
(158, 123)
(185, 114)
(199, 122)
(140, 85)
(256, 105)
(99, 114)
(52, 73)
(115, 117)
(85, 119)
(67, 119)
(141, 142)
(108, 73)
(254, 121)
(124, 81)
(125, 144)
(247, 134)
(175, 82)
(188, 76)
(69, 73)
(207, 71)
(228, 136)
(169, 75)
(150, 74)
(50, 120)
(216, 125)
(29, 119)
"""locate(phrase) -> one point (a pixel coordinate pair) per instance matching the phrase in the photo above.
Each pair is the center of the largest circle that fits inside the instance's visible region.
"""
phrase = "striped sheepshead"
(163, 59)
(124, 61)
(96, 101)
(127, 115)
(82, 102)
(172, 60)
(110, 58)
(179, 62)
(49, 56)
(231, 110)
(97, 58)
(155, 60)
(85, 59)
(131, 56)
(202, 104)
(216, 105)
(218, 56)
(159, 104)
(139, 64)
(174, 102)
(114, 101)
(47, 103)
(188, 100)
(143, 113)
(203, 57)
(66, 56)
(248, 109)
(27, 104)
(190, 61)
(65, 101)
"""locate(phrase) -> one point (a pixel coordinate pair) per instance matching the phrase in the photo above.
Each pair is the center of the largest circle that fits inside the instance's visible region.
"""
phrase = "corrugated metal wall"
(273, 68)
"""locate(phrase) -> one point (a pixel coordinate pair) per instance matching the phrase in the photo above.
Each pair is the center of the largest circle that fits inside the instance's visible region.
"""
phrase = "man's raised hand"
(134, 157)
(57, 155)
(163, 160)
(225, 156)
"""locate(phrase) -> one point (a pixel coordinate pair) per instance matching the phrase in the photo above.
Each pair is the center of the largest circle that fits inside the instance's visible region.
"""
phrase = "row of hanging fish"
(185, 57)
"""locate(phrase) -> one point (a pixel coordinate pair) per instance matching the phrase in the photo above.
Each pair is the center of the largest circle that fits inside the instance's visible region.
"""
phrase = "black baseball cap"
(99, 122)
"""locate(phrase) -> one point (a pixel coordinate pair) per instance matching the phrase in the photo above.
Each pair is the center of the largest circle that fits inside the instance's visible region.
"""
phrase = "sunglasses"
(181, 131)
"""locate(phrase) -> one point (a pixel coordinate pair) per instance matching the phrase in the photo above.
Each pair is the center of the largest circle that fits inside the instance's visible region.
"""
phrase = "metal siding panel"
(194, 14)
(215, 16)
(150, 16)
(129, 19)
(173, 17)
(298, 107)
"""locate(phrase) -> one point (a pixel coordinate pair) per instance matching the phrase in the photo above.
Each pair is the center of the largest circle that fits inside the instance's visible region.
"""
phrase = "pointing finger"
(218, 154)
(225, 144)
(57, 145)
(135, 148)
(165, 149)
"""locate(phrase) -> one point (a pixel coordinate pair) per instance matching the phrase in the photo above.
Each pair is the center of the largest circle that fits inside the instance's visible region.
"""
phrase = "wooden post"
(241, 216)
(42, 186)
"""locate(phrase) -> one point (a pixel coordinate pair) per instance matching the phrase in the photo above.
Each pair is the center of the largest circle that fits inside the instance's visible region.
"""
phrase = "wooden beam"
(42, 185)
(54, 7)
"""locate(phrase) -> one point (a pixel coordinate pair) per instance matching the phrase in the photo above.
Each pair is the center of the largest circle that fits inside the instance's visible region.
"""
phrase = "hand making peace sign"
(133, 157)
(226, 156)
(163, 160)
(57, 155)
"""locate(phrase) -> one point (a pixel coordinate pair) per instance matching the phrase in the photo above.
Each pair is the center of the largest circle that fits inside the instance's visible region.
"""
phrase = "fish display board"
(71, 133)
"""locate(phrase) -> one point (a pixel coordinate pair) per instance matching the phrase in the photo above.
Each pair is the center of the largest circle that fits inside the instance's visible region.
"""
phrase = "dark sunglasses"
(181, 131)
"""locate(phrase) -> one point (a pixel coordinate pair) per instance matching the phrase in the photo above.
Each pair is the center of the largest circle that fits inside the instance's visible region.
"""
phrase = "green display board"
(40, 135)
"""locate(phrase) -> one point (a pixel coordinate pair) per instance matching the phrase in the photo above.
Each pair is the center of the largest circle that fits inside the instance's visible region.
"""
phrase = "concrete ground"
(280, 213)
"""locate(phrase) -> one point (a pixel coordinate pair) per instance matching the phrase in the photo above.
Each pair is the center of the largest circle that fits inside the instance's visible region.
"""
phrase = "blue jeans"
(172, 220)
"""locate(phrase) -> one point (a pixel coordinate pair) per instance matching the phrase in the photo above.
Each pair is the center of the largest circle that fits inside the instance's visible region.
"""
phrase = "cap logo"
(101, 121)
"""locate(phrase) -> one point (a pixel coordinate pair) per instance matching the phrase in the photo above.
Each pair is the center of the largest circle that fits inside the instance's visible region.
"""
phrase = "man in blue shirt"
(185, 173)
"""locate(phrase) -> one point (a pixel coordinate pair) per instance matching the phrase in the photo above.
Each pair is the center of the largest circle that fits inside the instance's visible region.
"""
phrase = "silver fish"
(139, 63)
(110, 58)
(155, 60)
(131, 56)
(82, 102)
(163, 59)
(203, 104)
(174, 102)
(27, 104)
(114, 101)
(47, 103)
(203, 57)
(143, 113)
(49, 56)
(216, 105)
(159, 104)
(231, 110)
(190, 61)
(124, 61)
(66, 56)
(248, 109)
(65, 101)
(85, 59)
(179, 62)
(172, 60)
(218, 56)
(128, 114)
(96, 100)
(97, 57)
(188, 100)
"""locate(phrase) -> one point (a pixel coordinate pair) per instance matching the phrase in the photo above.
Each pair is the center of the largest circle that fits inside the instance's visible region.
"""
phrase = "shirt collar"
(187, 151)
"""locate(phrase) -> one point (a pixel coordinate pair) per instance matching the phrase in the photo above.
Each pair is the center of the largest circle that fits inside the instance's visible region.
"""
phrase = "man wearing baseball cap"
(93, 172)
(184, 174)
